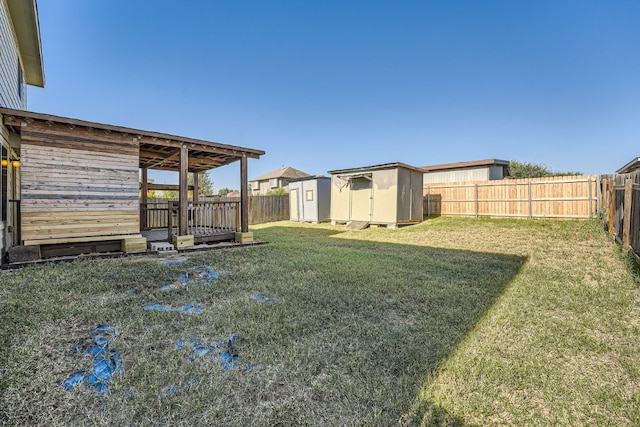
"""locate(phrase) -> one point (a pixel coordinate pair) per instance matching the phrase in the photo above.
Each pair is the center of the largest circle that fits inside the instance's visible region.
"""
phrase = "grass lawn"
(450, 322)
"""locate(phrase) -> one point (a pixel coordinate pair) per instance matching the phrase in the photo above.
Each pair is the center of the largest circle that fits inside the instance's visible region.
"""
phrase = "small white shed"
(310, 199)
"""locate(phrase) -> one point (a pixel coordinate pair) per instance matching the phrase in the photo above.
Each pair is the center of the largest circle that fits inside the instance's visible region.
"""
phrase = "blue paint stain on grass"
(104, 364)
(201, 275)
(167, 391)
(190, 308)
(256, 296)
(223, 351)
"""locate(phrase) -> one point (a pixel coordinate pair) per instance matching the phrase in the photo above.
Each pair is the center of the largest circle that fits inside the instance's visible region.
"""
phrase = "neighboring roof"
(159, 151)
(24, 15)
(633, 165)
(284, 172)
(462, 165)
(365, 169)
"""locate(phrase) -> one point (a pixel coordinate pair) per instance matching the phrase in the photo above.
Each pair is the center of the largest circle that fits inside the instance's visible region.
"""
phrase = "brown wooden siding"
(77, 184)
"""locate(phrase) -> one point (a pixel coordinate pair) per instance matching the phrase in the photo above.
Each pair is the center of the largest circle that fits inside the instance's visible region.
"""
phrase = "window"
(254, 185)
(309, 196)
(273, 183)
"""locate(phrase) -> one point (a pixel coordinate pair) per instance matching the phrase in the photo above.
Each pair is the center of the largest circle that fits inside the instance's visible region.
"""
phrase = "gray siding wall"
(9, 64)
(458, 175)
(324, 199)
(496, 172)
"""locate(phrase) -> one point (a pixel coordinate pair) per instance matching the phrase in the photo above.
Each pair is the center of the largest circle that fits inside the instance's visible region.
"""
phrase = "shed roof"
(159, 151)
(284, 172)
(24, 15)
(633, 165)
(309, 178)
(365, 169)
(462, 165)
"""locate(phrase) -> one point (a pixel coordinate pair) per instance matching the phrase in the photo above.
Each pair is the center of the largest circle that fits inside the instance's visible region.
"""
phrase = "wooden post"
(169, 221)
(611, 198)
(590, 189)
(195, 186)
(183, 192)
(143, 199)
(477, 201)
(626, 219)
(244, 197)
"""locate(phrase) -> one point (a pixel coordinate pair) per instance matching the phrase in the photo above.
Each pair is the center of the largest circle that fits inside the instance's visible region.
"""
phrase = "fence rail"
(555, 197)
(621, 201)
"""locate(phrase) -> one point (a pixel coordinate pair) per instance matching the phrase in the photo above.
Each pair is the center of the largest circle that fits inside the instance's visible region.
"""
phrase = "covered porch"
(84, 183)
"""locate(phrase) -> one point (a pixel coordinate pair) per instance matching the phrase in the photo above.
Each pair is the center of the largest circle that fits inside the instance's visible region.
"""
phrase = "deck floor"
(161, 235)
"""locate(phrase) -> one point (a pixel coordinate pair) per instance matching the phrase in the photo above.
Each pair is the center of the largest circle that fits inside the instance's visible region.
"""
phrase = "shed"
(476, 170)
(310, 199)
(389, 194)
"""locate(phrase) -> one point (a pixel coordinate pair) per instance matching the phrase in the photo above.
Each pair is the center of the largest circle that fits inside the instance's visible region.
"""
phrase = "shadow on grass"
(412, 305)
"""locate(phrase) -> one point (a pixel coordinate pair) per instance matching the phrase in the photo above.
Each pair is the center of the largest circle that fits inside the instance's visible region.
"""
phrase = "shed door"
(294, 212)
(361, 199)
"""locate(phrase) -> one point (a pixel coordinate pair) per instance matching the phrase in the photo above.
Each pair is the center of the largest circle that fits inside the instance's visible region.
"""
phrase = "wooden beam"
(195, 186)
(244, 197)
(184, 195)
(143, 198)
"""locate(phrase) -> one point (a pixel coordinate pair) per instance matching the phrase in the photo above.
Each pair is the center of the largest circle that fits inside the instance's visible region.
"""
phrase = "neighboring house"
(388, 194)
(478, 170)
(276, 179)
(234, 193)
(20, 65)
(630, 167)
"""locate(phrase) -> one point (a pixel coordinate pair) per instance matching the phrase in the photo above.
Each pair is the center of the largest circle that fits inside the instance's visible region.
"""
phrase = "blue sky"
(323, 85)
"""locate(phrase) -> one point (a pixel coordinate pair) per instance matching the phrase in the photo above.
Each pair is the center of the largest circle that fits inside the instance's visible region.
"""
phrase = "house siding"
(9, 64)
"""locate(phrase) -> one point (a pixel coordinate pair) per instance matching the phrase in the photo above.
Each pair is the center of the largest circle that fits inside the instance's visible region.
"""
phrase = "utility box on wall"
(310, 199)
(388, 194)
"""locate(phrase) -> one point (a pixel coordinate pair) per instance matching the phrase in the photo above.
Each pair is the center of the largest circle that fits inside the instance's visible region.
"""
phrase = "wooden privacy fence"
(621, 203)
(553, 197)
(217, 212)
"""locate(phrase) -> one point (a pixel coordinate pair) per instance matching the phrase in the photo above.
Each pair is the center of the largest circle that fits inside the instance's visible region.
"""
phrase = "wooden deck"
(200, 234)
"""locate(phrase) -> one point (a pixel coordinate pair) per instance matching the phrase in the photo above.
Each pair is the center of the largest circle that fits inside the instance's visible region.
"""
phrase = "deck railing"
(204, 217)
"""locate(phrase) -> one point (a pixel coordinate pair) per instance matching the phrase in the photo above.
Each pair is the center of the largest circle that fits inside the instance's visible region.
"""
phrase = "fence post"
(626, 219)
(428, 207)
(590, 198)
(611, 198)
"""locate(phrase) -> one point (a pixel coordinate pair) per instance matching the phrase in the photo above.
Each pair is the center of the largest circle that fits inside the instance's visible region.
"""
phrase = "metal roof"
(632, 166)
(462, 165)
(366, 169)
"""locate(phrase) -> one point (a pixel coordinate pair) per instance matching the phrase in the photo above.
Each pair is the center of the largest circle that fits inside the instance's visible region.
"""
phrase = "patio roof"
(158, 151)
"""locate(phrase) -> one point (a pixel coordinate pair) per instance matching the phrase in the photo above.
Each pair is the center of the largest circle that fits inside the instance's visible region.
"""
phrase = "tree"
(276, 192)
(533, 170)
(205, 186)
(224, 191)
